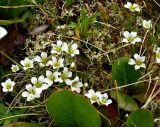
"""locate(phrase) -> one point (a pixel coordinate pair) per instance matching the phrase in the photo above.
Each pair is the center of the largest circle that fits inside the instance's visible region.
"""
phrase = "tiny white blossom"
(131, 37)
(27, 63)
(52, 77)
(138, 61)
(43, 60)
(15, 68)
(72, 65)
(8, 85)
(3, 32)
(61, 27)
(65, 75)
(39, 83)
(147, 24)
(75, 84)
(157, 51)
(93, 96)
(31, 93)
(70, 49)
(86, 84)
(57, 48)
(56, 63)
(103, 99)
(132, 7)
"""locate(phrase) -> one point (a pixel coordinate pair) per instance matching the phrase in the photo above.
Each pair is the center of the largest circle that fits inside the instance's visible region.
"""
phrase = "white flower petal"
(137, 57)
(3, 32)
(125, 40)
(143, 65)
(44, 55)
(126, 34)
(65, 47)
(29, 87)
(74, 46)
(59, 43)
(41, 79)
(142, 58)
(132, 62)
(133, 34)
(25, 94)
(137, 67)
(34, 80)
(38, 59)
(137, 39)
(48, 73)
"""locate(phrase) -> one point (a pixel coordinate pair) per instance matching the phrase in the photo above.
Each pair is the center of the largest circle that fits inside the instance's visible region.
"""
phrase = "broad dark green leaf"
(124, 73)
(125, 102)
(72, 110)
(12, 12)
(140, 118)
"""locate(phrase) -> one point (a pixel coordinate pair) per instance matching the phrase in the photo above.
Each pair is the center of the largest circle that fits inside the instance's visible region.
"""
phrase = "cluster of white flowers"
(101, 99)
(57, 72)
(132, 38)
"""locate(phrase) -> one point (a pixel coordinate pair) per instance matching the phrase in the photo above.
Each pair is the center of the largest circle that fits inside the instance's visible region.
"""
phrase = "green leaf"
(23, 124)
(11, 21)
(124, 101)
(72, 110)
(12, 12)
(5, 112)
(124, 73)
(140, 118)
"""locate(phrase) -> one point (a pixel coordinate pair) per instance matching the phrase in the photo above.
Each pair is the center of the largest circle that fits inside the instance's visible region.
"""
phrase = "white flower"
(43, 60)
(71, 50)
(103, 99)
(8, 85)
(147, 24)
(65, 75)
(86, 84)
(138, 61)
(75, 84)
(27, 63)
(56, 63)
(15, 68)
(39, 83)
(157, 51)
(93, 96)
(57, 48)
(131, 37)
(30, 93)
(61, 27)
(132, 7)
(51, 77)
(3, 32)
(72, 65)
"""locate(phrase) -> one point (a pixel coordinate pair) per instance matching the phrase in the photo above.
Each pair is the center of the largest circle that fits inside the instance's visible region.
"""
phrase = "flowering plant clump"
(58, 65)
(91, 62)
